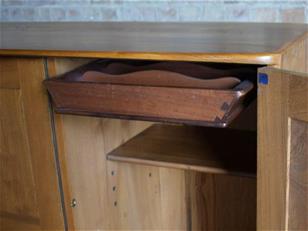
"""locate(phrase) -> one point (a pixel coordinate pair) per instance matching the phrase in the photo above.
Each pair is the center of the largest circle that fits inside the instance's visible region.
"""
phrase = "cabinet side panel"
(295, 57)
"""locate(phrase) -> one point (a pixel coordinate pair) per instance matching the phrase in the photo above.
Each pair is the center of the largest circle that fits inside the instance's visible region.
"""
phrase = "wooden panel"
(57, 68)
(18, 195)
(192, 148)
(7, 69)
(149, 187)
(85, 170)
(215, 42)
(92, 178)
(66, 151)
(191, 106)
(262, 58)
(295, 56)
(147, 198)
(298, 188)
(156, 37)
(86, 167)
(298, 99)
(144, 91)
(114, 195)
(284, 96)
(174, 208)
(89, 179)
(14, 222)
(31, 194)
(220, 202)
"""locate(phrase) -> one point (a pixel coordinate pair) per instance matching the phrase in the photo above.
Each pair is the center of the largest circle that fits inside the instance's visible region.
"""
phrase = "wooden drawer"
(183, 92)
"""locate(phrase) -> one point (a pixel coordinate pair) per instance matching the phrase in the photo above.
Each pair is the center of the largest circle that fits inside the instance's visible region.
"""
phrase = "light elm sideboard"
(72, 171)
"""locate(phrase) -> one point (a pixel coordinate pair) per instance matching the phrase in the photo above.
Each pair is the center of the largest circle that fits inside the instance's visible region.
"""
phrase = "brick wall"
(159, 10)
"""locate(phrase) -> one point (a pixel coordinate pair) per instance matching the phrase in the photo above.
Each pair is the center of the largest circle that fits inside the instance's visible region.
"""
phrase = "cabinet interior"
(223, 160)
(179, 143)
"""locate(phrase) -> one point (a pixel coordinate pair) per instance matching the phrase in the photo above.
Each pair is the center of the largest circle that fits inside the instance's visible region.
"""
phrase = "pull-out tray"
(165, 91)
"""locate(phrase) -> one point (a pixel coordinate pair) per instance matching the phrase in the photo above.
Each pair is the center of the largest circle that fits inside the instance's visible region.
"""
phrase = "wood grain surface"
(298, 176)
(155, 95)
(113, 195)
(295, 56)
(285, 97)
(182, 105)
(98, 211)
(216, 42)
(192, 148)
(221, 202)
(160, 74)
(30, 195)
(179, 200)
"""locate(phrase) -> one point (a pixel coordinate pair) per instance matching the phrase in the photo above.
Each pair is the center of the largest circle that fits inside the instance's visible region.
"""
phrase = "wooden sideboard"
(68, 172)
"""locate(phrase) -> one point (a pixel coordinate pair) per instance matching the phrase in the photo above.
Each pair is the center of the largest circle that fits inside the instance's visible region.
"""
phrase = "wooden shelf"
(212, 150)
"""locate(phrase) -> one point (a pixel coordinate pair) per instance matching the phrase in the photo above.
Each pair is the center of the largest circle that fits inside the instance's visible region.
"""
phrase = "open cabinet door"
(282, 177)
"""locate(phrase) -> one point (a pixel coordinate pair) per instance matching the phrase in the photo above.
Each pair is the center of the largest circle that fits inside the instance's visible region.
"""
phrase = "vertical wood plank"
(174, 207)
(295, 56)
(298, 188)
(284, 97)
(221, 202)
(27, 145)
(272, 153)
(17, 182)
(38, 122)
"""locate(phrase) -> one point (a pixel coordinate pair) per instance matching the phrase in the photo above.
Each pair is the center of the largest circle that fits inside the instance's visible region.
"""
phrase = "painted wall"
(159, 10)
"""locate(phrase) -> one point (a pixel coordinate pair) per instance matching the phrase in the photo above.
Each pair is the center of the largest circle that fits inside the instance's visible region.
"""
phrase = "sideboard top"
(221, 42)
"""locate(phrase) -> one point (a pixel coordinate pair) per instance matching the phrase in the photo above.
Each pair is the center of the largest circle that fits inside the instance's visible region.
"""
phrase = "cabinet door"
(29, 195)
(282, 150)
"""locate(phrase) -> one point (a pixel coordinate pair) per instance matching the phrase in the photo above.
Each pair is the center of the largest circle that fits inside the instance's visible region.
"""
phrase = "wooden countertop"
(259, 43)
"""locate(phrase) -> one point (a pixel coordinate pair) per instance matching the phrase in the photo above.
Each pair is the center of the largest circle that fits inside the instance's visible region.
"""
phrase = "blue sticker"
(263, 78)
